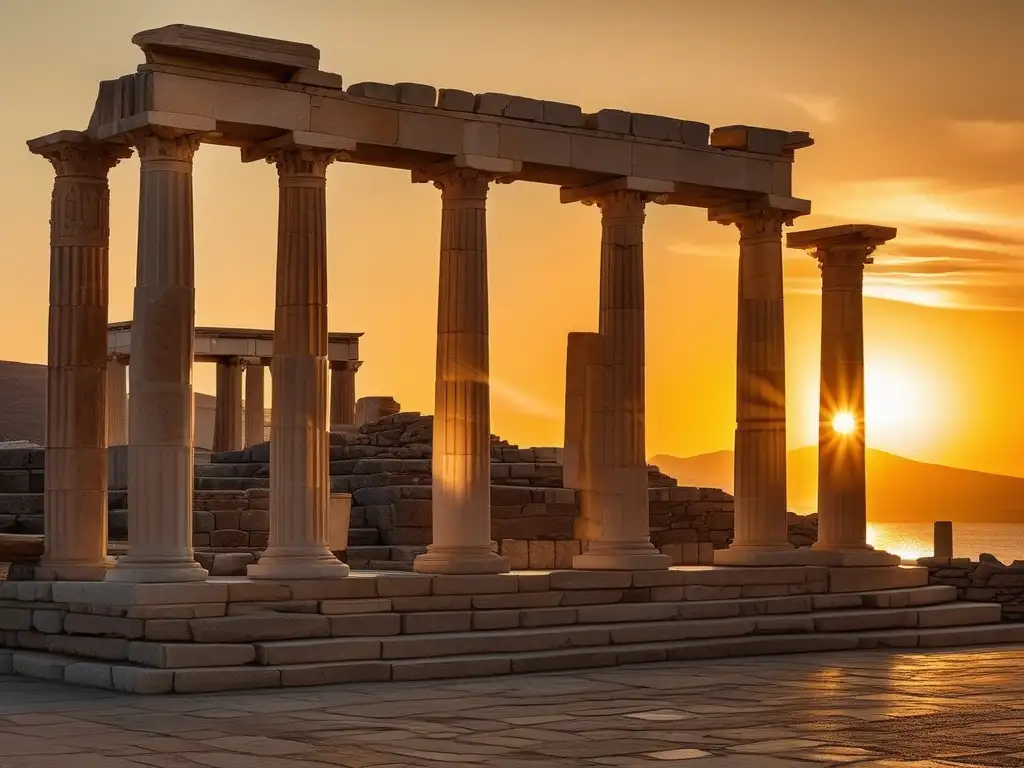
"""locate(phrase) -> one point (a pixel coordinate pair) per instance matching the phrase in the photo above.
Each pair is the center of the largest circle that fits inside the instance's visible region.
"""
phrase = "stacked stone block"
(986, 580)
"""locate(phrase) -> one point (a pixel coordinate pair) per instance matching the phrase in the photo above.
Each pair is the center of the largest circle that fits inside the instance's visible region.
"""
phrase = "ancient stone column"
(75, 502)
(227, 421)
(616, 515)
(842, 253)
(761, 525)
(343, 392)
(299, 448)
(462, 450)
(254, 404)
(117, 400)
(160, 452)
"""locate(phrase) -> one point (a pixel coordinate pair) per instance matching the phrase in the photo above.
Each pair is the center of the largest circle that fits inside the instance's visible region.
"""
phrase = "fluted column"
(842, 253)
(299, 449)
(117, 400)
(343, 392)
(254, 404)
(160, 453)
(227, 422)
(616, 513)
(462, 449)
(75, 501)
(761, 524)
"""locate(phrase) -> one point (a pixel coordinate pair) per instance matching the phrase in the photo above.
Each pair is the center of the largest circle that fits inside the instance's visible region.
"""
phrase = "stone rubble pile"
(986, 580)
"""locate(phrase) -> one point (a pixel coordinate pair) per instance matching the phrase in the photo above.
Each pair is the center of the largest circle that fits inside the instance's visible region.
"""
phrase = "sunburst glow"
(844, 423)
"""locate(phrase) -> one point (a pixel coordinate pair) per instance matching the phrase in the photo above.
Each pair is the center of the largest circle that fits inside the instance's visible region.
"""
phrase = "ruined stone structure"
(234, 350)
(154, 621)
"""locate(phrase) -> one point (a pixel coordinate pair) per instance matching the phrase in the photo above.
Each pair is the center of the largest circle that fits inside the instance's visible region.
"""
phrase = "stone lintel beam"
(168, 125)
(731, 213)
(501, 169)
(297, 140)
(868, 236)
(346, 365)
(592, 192)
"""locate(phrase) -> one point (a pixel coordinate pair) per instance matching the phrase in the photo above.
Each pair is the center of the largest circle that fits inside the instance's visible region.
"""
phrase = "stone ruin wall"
(385, 466)
(987, 580)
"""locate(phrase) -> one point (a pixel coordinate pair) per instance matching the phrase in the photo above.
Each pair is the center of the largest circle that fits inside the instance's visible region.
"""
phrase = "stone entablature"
(235, 87)
(213, 345)
(232, 349)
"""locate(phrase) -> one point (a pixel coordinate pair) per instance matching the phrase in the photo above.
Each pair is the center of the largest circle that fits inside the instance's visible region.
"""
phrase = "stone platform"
(227, 634)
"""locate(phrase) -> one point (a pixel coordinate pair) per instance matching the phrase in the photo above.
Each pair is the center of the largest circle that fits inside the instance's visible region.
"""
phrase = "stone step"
(137, 679)
(363, 537)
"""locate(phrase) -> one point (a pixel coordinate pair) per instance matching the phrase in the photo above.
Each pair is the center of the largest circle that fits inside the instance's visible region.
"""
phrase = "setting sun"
(844, 423)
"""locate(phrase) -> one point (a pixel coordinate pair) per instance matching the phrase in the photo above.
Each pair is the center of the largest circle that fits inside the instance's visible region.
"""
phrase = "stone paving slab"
(870, 710)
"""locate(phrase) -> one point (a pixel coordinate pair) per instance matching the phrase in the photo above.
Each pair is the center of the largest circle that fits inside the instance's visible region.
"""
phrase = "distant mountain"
(899, 490)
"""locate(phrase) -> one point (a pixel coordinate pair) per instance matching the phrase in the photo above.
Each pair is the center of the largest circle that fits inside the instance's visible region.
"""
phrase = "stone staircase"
(232, 633)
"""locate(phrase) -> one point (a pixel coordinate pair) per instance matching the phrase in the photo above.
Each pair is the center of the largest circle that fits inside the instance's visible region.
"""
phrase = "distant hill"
(899, 490)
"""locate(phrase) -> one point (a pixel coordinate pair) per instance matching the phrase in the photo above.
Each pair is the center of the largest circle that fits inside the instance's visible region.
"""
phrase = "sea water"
(913, 540)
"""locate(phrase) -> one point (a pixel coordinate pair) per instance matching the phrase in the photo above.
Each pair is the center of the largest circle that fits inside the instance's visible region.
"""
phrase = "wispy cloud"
(824, 109)
(956, 248)
(988, 136)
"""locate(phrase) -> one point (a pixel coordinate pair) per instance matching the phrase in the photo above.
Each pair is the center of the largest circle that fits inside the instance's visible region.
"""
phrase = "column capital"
(624, 192)
(72, 153)
(841, 246)
(467, 177)
(161, 147)
(763, 217)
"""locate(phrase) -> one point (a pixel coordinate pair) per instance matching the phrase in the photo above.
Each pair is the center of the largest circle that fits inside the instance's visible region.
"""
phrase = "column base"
(144, 570)
(849, 556)
(621, 556)
(769, 554)
(72, 571)
(461, 560)
(287, 564)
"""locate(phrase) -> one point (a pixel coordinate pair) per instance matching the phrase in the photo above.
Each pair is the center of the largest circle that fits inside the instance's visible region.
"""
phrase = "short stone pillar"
(583, 352)
(842, 253)
(614, 509)
(461, 538)
(160, 454)
(117, 400)
(255, 404)
(943, 538)
(75, 501)
(343, 392)
(299, 449)
(761, 523)
(370, 409)
(227, 420)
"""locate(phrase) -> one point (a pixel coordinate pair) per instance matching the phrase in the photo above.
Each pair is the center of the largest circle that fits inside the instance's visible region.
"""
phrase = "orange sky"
(914, 105)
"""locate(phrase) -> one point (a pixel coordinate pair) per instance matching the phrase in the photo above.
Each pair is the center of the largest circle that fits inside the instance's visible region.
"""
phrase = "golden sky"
(914, 104)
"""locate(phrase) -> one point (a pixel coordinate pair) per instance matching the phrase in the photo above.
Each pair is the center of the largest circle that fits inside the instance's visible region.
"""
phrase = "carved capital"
(622, 204)
(853, 255)
(303, 163)
(463, 184)
(761, 224)
(85, 159)
(154, 148)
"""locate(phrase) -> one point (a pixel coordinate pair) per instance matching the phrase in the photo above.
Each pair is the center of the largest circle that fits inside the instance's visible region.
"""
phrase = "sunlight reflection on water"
(913, 540)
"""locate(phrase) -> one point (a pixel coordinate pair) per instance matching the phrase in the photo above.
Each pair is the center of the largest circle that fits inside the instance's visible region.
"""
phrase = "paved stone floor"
(867, 709)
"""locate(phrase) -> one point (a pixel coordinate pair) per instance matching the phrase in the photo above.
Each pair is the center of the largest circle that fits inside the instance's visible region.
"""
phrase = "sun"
(844, 423)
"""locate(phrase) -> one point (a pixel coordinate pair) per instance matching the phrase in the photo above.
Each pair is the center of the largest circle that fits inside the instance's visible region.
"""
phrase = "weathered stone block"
(456, 100)
(229, 538)
(417, 94)
(366, 625)
(203, 522)
(542, 555)
(242, 629)
(610, 120)
(379, 91)
(253, 520)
